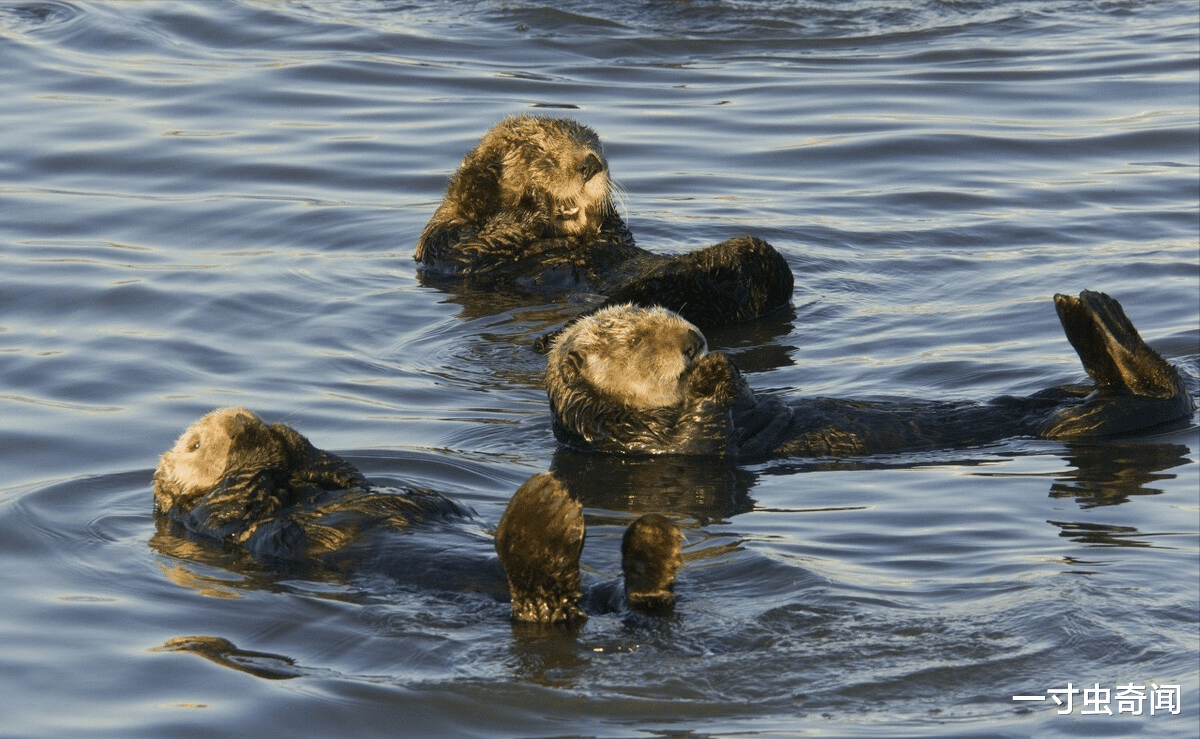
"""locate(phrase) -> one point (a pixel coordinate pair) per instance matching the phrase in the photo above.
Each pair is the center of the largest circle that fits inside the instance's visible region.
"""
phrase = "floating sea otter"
(265, 488)
(532, 204)
(640, 381)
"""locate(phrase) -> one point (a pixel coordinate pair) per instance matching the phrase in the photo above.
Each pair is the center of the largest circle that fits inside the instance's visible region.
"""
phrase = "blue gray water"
(216, 203)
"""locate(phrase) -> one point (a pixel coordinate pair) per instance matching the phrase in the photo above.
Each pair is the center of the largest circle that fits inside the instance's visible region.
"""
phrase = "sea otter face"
(554, 167)
(201, 456)
(638, 356)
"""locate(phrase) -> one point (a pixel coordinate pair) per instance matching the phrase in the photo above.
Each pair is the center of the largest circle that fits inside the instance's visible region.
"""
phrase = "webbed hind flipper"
(1111, 349)
(1136, 389)
(539, 540)
(650, 558)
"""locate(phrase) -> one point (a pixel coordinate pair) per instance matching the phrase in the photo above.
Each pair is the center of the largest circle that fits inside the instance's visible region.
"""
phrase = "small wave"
(17, 20)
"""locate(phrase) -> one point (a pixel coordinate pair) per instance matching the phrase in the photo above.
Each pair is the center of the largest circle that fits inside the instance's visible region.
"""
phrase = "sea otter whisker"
(618, 197)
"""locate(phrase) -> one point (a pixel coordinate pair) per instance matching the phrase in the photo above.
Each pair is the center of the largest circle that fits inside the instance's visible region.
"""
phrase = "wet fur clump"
(630, 380)
(650, 560)
(539, 540)
(532, 204)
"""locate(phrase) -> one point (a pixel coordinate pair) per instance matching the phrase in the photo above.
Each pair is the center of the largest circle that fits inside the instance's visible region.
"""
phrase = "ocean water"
(216, 203)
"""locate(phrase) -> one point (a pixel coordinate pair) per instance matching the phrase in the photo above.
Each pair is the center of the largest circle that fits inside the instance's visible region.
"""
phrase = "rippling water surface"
(206, 204)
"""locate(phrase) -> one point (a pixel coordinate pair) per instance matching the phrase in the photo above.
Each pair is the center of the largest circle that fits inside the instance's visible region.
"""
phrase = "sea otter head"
(202, 454)
(230, 470)
(635, 357)
(550, 168)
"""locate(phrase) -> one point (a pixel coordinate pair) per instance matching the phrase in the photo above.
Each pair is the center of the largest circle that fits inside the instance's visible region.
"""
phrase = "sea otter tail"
(1136, 389)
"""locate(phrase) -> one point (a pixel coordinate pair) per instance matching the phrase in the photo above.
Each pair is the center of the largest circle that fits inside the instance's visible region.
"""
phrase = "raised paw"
(713, 377)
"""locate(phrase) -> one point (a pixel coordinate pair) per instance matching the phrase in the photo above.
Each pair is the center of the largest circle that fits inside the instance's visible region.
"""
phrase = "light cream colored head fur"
(200, 456)
(636, 356)
(555, 159)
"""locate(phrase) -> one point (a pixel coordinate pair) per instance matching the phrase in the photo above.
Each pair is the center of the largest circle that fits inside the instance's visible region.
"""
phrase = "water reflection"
(758, 345)
(1101, 534)
(479, 302)
(1108, 473)
(204, 566)
(703, 489)
(548, 655)
(439, 559)
(224, 653)
(557, 655)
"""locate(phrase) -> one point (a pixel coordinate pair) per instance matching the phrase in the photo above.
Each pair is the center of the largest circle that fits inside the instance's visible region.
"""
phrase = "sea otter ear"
(250, 439)
(574, 362)
(590, 166)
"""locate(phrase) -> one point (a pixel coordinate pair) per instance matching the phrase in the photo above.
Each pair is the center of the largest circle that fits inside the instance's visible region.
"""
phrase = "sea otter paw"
(714, 377)
(539, 540)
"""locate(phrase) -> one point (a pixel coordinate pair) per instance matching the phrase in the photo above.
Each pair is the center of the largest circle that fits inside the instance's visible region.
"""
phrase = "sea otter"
(532, 204)
(266, 489)
(636, 380)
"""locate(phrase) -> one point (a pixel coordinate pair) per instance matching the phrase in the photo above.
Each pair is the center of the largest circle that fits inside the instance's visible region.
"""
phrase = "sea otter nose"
(694, 346)
(590, 167)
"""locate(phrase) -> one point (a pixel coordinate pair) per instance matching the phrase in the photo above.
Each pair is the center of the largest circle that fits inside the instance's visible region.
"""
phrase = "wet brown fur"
(533, 189)
(638, 380)
(650, 559)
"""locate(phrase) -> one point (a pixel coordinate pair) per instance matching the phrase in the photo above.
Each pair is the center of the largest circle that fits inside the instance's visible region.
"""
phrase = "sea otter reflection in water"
(635, 380)
(532, 204)
(267, 490)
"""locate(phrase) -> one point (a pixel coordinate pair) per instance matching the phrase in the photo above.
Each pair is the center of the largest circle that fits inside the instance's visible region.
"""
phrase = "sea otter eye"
(590, 167)
(193, 443)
